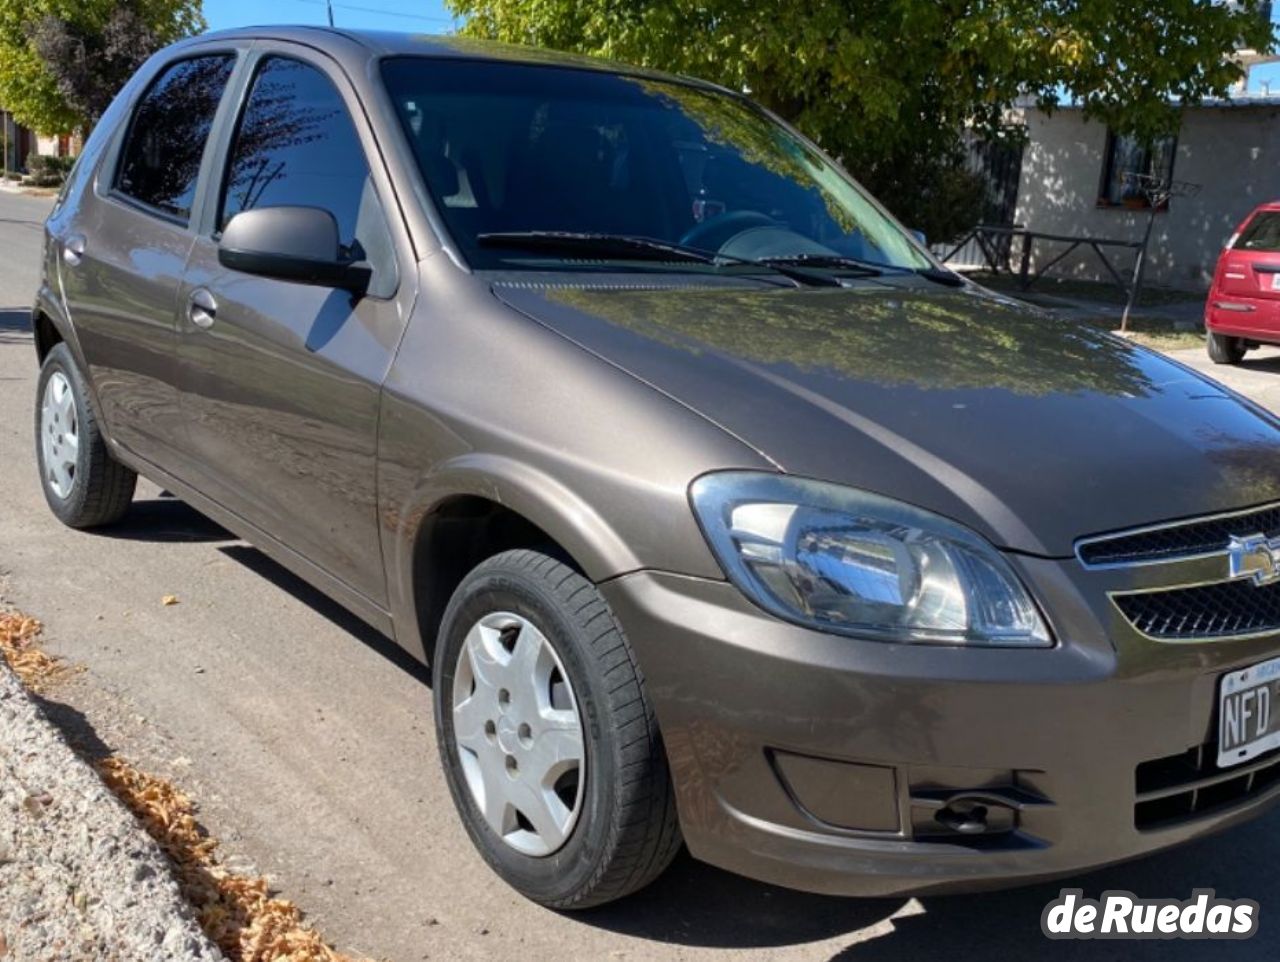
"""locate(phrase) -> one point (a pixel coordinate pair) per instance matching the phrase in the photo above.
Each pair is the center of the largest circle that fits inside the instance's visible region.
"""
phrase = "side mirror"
(293, 244)
(919, 236)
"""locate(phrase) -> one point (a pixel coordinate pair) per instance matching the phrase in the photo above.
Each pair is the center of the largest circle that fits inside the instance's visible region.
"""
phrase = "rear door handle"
(202, 308)
(73, 250)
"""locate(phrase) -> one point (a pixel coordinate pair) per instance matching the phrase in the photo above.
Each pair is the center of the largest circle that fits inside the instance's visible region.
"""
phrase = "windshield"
(509, 149)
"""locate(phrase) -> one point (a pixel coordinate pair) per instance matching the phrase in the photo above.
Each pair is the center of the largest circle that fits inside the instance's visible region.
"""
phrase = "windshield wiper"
(864, 268)
(870, 268)
(941, 276)
(639, 248)
(603, 245)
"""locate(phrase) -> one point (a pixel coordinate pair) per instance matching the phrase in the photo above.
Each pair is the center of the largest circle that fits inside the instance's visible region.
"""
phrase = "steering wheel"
(713, 234)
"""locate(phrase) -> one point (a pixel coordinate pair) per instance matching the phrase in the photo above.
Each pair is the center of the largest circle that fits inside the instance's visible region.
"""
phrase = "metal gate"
(999, 164)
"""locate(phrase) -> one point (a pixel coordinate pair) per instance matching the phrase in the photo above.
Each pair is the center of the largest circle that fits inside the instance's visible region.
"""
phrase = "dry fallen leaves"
(18, 634)
(236, 912)
(169, 600)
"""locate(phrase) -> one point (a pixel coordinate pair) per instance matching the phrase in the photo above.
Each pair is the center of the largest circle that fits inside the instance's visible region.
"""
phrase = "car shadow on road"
(1266, 365)
(322, 604)
(15, 319)
(697, 905)
(15, 325)
(1238, 864)
(164, 520)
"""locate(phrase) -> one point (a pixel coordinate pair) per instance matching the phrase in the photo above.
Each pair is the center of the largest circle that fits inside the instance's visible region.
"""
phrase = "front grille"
(1182, 787)
(1228, 609)
(1172, 542)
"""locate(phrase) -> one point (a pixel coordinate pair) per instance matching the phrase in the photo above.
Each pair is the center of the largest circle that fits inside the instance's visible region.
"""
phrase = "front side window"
(296, 146)
(160, 160)
(1128, 163)
(519, 147)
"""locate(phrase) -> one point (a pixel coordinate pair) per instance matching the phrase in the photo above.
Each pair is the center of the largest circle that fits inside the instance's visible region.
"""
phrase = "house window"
(1126, 157)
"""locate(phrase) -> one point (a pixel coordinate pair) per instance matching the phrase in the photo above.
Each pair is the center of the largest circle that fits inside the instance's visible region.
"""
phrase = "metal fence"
(999, 164)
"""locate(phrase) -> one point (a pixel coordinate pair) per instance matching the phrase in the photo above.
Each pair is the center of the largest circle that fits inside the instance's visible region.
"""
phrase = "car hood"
(1033, 429)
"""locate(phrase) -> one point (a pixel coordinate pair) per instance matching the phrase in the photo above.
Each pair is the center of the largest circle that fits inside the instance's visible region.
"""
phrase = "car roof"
(343, 43)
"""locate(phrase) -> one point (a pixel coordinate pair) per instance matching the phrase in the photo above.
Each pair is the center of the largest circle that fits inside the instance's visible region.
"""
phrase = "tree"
(61, 61)
(890, 86)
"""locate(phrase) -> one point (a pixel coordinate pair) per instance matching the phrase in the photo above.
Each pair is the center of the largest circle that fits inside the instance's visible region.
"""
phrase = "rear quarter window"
(1261, 234)
(160, 159)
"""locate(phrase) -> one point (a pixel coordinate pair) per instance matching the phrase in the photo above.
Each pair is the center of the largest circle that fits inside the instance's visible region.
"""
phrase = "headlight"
(838, 559)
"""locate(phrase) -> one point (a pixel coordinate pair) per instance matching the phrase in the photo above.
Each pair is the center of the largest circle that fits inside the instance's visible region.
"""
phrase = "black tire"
(101, 487)
(1225, 350)
(626, 832)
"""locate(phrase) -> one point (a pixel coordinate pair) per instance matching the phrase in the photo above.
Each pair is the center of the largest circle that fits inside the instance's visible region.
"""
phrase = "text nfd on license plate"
(1249, 713)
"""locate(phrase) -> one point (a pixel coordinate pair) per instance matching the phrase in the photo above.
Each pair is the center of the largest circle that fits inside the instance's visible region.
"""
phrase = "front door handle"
(73, 250)
(202, 308)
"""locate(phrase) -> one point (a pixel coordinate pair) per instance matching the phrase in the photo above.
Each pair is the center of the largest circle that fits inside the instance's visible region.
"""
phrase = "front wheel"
(550, 747)
(1225, 350)
(83, 484)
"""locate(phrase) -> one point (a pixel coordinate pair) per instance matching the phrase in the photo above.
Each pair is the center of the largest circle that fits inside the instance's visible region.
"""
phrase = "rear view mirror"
(293, 244)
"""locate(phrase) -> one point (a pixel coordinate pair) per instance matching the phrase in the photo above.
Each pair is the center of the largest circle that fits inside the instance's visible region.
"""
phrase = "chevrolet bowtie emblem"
(1256, 557)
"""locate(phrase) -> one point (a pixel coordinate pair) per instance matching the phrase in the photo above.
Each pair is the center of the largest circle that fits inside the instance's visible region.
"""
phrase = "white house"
(1073, 182)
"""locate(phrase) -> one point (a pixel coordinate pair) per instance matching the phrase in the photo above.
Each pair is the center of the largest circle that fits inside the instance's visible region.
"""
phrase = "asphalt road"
(309, 743)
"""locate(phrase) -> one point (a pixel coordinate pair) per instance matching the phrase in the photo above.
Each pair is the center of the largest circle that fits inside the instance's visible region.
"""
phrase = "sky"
(412, 16)
(431, 16)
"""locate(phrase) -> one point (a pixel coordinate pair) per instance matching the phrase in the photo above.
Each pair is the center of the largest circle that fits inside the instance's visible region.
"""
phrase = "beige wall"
(1233, 152)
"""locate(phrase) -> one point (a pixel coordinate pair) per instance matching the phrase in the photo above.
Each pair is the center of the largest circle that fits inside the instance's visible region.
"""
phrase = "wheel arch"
(46, 334)
(473, 508)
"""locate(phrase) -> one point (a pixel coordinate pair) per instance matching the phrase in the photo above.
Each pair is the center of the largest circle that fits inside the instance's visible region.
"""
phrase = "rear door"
(123, 248)
(281, 381)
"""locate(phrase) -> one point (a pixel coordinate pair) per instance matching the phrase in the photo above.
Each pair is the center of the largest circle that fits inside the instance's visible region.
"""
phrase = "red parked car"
(1243, 309)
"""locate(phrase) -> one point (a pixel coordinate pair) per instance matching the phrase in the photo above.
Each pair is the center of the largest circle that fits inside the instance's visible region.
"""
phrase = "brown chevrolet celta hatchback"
(723, 513)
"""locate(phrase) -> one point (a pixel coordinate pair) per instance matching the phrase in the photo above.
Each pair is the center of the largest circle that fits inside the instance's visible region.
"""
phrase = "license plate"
(1275, 282)
(1249, 713)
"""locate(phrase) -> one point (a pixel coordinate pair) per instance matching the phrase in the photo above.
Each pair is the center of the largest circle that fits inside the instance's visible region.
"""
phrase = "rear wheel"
(550, 747)
(83, 484)
(1226, 350)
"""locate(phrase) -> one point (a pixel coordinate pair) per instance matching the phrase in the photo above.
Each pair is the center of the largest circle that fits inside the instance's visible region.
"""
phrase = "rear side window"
(1262, 234)
(160, 160)
(296, 146)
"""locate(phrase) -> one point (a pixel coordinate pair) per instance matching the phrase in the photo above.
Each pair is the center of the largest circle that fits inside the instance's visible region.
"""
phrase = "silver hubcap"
(59, 434)
(518, 733)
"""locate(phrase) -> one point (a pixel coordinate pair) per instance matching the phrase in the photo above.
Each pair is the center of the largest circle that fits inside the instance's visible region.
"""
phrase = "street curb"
(80, 877)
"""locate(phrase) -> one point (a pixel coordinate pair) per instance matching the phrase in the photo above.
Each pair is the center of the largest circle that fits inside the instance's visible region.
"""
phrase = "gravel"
(79, 878)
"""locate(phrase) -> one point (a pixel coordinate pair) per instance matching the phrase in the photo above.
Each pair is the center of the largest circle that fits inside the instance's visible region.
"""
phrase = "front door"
(123, 248)
(282, 380)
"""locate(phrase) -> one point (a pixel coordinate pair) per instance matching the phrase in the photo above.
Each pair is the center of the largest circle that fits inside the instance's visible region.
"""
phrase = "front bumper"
(839, 766)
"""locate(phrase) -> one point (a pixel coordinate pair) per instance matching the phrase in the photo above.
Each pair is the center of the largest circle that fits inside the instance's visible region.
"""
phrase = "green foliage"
(889, 86)
(61, 60)
(48, 170)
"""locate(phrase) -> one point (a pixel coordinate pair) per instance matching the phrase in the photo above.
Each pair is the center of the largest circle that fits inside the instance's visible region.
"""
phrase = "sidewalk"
(79, 876)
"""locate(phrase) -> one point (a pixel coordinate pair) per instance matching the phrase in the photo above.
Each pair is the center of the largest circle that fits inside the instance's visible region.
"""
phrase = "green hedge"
(47, 170)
